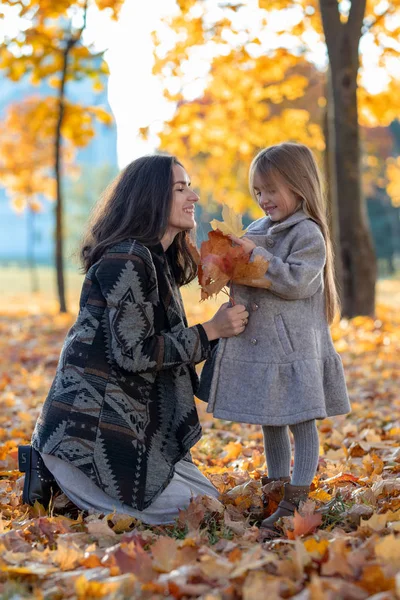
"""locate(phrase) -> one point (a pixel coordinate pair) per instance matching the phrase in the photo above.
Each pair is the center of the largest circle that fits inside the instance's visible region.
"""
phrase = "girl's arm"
(300, 275)
(129, 286)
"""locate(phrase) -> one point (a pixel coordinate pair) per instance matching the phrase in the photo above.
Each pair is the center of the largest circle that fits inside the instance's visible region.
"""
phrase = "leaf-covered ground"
(349, 550)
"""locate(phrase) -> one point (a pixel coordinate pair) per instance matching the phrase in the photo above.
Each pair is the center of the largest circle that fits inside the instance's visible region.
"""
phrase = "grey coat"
(283, 369)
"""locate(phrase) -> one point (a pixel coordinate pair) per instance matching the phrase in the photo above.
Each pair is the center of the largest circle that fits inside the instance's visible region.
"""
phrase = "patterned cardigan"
(121, 406)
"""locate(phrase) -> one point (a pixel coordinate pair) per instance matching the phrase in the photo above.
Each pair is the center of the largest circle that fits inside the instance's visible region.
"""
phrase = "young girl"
(283, 370)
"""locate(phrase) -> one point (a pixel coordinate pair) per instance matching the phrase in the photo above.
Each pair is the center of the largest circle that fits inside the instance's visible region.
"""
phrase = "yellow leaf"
(316, 548)
(164, 553)
(231, 224)
(388, 549)
(321, 496)
(232, 451)
(376, 522)
(123, 524)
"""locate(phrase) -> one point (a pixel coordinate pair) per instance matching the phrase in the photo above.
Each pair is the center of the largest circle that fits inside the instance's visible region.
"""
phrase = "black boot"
(39, 484)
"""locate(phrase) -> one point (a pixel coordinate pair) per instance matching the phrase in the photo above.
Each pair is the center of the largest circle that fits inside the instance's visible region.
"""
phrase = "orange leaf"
(193, 515)
(252, 273)
(305, 521)
(342, 478)
(222, 262)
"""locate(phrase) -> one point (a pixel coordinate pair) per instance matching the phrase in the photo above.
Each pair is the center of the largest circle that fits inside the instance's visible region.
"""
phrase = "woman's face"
(181, 217)
(275, 198)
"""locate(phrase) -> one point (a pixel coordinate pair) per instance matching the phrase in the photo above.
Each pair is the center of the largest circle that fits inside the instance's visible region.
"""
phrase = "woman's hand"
(247, 245)
(227, 322)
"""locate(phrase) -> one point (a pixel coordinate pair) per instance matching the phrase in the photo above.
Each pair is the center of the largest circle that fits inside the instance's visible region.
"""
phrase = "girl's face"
(184, 198)
(275, 198)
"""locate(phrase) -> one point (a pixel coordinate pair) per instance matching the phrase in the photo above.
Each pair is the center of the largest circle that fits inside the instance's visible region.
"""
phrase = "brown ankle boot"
(265, 480)
(292, 497)
(272, 488)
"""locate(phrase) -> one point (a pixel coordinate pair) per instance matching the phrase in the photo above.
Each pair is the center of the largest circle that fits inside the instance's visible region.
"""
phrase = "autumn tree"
(51, 48)
(27, 152)
(218, 132)
(235, 30)
(393, 175)
(25, 164)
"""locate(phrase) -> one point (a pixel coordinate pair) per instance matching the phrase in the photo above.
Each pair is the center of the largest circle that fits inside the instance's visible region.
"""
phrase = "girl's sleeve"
(129, 287)
(300, 275)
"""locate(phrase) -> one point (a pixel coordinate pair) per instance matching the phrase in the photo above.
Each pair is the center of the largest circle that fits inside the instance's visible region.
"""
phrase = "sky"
(135, 95)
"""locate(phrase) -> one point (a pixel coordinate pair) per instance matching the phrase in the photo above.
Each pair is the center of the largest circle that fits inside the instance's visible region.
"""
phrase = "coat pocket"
(283, 334)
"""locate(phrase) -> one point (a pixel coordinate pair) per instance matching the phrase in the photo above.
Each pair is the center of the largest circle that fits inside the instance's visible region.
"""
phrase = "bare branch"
(85, 9)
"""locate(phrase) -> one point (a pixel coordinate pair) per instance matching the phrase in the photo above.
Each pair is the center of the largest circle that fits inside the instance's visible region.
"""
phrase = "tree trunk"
(357, 252)
(59, 254)
(31, 251)
(59, 242)
(331, 188)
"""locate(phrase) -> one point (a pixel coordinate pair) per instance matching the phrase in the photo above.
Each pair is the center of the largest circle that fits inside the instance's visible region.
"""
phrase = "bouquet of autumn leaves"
(220, 261)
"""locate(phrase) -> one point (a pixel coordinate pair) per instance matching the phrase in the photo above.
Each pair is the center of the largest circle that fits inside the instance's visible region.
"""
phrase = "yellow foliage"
(53, 10)
(253, 95)
(26, 155)
(27, 146)
(51, 47)
(113, 6)
(379, 109)
(186, 5)
(219, 133)
(101, 114)
(393, 175)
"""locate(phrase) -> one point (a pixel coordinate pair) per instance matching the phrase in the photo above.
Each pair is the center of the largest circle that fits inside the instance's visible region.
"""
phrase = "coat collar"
(264, 225)
(169, 295)
(295, 218)
(159, 251)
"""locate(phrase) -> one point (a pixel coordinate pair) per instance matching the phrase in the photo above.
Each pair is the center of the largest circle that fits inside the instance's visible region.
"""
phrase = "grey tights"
(306, 451)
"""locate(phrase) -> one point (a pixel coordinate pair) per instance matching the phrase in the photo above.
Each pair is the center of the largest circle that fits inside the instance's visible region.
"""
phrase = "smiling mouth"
(189, 211)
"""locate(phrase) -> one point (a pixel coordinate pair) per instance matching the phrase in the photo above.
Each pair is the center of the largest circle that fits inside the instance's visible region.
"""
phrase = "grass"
(16, 291)
(16, 287)
(16, 294)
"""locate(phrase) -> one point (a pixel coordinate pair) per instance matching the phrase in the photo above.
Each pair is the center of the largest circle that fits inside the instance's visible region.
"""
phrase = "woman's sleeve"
(299, 276)
(129, 287)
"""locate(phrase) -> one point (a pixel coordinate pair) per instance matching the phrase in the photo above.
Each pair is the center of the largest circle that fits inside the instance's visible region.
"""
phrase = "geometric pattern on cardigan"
(121, 406)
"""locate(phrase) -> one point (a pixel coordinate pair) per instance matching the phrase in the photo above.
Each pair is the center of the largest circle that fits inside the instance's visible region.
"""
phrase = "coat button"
(254, 306)
(270, 243)
(254, 341)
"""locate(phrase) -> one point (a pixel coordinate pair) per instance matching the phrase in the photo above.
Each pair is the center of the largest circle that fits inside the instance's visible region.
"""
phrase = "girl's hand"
(247, 245)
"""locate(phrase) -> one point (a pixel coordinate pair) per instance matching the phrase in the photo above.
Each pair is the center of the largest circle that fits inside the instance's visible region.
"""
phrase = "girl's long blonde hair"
(295, 163)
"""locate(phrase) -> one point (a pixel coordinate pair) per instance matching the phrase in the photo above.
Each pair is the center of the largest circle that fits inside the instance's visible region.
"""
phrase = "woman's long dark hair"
(137, 205)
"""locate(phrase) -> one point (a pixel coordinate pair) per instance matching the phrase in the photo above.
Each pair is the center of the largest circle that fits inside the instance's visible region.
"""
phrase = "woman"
(119, 421)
